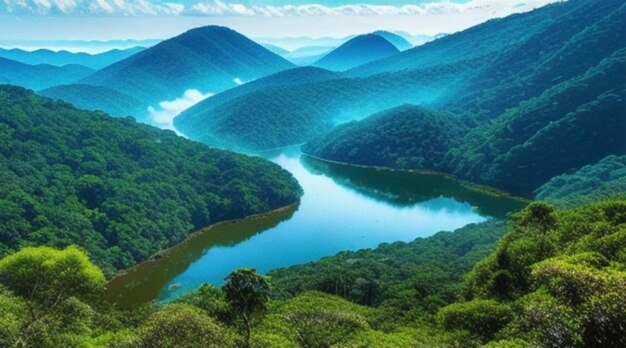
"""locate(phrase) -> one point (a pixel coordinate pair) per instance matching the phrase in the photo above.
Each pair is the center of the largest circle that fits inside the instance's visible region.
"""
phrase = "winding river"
(343, 208)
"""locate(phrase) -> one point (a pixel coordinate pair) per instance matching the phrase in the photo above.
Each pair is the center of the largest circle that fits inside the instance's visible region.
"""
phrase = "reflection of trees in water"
(402, 188)
(145, 281)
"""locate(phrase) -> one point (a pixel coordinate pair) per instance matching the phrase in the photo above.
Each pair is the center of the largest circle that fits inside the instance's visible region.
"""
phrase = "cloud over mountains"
(222, 8)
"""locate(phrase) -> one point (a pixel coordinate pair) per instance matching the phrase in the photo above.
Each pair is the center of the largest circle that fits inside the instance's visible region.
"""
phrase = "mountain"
(40, 76)
(574, 123)
(120, 190)
(357, 51)
(199, 121)
(275, 49)
(96, 98)
(403, 137)
(308, 55)
(592, 182)
(400, 42)
(419, 76)
(518, 83)
(60, 58)
(209, 59)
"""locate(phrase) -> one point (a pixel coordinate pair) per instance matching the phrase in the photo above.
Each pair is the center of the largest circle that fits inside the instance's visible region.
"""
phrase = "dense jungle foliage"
(120, 190)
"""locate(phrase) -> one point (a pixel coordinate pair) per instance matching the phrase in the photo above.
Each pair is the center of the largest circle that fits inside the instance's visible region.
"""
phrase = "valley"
(355, 178)
(342, 208)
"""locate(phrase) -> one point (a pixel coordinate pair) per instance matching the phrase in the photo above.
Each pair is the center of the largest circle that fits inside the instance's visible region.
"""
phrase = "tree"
(182, 326)
(247, 294)
(47, 277)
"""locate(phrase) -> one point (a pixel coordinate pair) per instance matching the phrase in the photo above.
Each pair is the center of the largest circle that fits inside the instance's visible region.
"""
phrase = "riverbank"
(467, 184)
(144, 281)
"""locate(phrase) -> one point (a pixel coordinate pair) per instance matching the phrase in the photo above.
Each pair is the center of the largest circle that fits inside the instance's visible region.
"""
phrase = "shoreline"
(195, 234)
(468, 184)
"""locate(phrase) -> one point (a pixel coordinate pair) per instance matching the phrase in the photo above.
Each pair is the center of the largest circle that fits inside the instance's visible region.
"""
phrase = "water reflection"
(343, 208)
(146, 281)
(402, 188)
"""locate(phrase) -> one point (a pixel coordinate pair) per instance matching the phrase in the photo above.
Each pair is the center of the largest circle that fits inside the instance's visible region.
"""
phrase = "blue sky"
(28, 20)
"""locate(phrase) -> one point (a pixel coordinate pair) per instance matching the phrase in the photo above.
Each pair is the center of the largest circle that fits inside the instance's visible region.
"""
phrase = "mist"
(163, 116)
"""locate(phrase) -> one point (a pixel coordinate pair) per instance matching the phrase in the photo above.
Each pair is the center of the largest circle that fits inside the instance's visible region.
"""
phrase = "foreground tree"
(247, 294)
(52, 286)
(182, 326)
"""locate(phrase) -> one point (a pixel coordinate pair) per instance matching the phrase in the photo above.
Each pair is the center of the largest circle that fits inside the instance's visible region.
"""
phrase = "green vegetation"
(96, 98)
(207, 59)
(603, 179)
(193, 119)
(403, 137)
(556, 278)
(406, 281)
(528, 90)
(120, 190)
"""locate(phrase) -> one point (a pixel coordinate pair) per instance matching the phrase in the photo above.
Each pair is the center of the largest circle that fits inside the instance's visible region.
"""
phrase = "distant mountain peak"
(397, 40)
(359, 50)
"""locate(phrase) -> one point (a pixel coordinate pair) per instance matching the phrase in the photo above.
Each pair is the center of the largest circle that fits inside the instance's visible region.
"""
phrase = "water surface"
(343, 208)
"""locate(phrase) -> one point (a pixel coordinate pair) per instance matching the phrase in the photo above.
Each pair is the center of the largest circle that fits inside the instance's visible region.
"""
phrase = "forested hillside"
(527, 118)
(555, 279)
(518, 151)
(96, 98)
(210, 59)
(403, 137)
(477, 75)
(592, 182)
(120, 190)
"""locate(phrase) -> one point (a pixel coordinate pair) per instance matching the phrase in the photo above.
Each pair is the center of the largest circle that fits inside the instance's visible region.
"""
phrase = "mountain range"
(40, 76)
(516, 83)
(60, 58)
(210, 59)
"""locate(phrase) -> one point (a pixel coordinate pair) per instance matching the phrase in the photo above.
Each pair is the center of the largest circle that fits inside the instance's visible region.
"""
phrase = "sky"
(24, 21)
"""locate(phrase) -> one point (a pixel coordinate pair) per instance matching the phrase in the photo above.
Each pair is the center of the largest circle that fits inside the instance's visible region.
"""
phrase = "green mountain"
(592, 182)
(96, 98)
(403, 137)
(357, 51)
(120, 190)
(401, 43)
(40, 76)
(542, 115)
(476, 74)
(209, 59)
(200, 121)
(60, 58)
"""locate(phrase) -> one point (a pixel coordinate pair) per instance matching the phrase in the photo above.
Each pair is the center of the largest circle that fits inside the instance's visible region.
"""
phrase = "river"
(343, 208)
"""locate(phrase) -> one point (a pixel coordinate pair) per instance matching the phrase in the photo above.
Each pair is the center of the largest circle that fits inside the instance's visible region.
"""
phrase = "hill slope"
(401, 43)
(404, 137)
(60, 58)
(120, 190)
(434, 75)
(40, 76)
(357, 51)
(95, 98)
(209, 59)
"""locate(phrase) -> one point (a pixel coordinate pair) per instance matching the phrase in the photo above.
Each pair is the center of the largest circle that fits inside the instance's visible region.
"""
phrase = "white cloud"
(222, 8)
(168, 110)
(238, 81)
(219, 8)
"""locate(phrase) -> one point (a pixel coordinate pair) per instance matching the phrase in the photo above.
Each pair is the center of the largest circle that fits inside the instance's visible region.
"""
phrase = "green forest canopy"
(120, 190)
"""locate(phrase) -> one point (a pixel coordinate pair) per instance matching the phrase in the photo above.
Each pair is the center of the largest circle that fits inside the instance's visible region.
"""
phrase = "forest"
(555, 278)
(120, 190)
